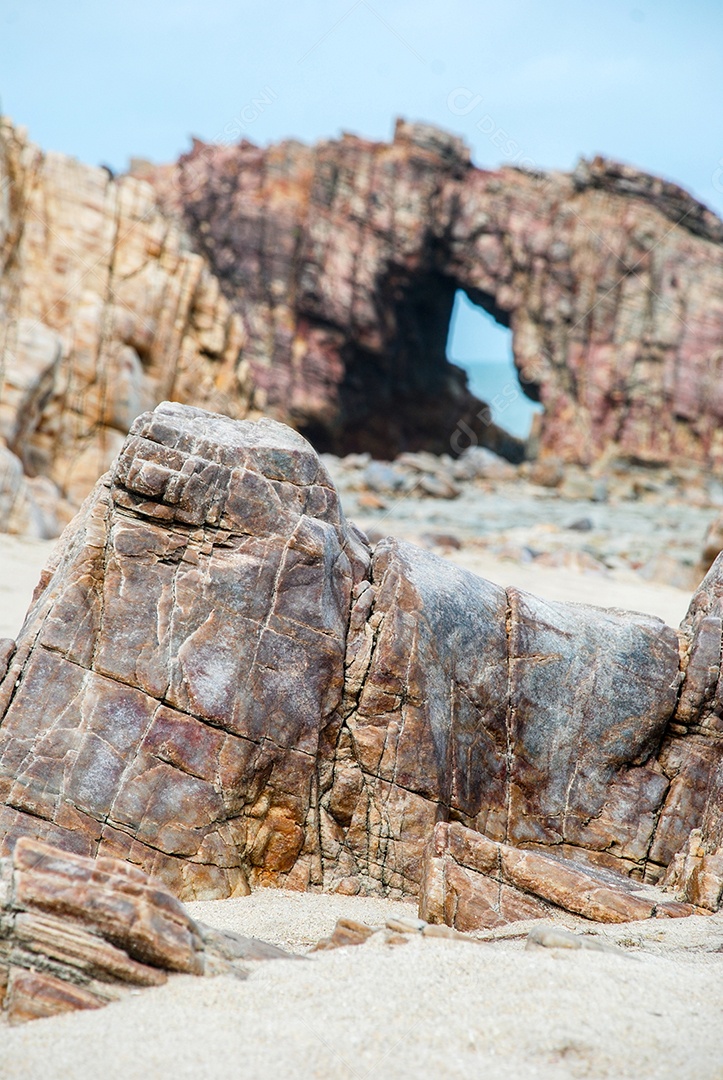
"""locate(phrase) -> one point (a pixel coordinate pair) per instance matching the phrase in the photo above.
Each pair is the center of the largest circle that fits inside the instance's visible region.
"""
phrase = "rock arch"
(342, 259)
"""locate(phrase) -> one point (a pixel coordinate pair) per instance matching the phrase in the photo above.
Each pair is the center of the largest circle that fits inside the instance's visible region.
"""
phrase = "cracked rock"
(218, 683)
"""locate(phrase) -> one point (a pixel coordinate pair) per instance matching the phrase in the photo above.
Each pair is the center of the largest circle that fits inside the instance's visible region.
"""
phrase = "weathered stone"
(75, 933)
(553, 937)
(692, 753)
(104, 312)
(320, 292)
(346, 932)
(344, 258)
(217, 683)
(179, 667)
(697, 875)
(471, 882)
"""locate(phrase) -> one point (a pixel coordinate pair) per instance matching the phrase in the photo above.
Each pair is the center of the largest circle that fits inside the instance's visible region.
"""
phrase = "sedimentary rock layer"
(104, 312)
(219, 682)
(471, 882)
(316, 284)
(77, 933)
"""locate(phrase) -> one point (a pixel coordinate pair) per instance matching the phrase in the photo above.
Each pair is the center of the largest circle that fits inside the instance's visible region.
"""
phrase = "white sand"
(21, 561)
(622, 590)
(425, 1009)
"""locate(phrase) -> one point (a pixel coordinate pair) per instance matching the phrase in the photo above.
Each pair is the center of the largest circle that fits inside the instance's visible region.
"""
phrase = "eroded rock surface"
(316, 285)
(167, 695)
(471, 882)
(218, 682)
(343, 259)
(104, 312)
(77, 933)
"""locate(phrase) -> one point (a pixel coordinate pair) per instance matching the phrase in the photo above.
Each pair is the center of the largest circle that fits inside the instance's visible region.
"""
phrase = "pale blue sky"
(639, 80)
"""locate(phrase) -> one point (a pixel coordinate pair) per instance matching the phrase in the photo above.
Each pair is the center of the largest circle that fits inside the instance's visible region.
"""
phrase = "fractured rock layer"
(219, 682)
(472, 882)
(316, 284)
(76, 933)
(104, 312)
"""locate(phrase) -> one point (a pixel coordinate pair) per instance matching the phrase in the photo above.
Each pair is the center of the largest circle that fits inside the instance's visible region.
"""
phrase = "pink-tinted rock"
(217, 683)
(170, 685)
(471, 882)
(76, 933)
(320, 293)
(344, 257)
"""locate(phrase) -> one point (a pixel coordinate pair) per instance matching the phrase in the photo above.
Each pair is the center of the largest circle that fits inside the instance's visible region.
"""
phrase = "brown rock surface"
(320, 292)
(76, 933)
(471, 882)
(169, 688)
(343, 259)
(217, 683)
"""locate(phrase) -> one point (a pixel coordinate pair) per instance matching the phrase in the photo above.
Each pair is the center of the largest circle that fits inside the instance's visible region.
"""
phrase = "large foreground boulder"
(218, 682)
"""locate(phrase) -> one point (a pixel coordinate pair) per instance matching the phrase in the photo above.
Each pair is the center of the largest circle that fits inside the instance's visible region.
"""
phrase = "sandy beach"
(424, 1009)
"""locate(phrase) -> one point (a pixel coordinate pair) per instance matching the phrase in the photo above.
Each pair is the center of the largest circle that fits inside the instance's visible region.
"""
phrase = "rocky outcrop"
(188, 651)
(78, 933)
(219, 682)
(104, 312)
(343, 260)
(316, 284)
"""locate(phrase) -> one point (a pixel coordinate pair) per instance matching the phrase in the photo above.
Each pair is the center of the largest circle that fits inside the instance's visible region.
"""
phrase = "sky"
(523, 82)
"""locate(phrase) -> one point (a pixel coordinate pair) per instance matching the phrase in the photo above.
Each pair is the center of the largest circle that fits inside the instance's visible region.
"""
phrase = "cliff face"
(334, 259)
(316, 284)
(104, 312)
(343, 259)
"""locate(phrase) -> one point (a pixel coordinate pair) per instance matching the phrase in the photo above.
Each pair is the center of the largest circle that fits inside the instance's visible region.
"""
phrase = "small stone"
(583, 524)
(368, 500)
(77, 933)
(552, 937)
(382, 478)
(406, 926)
(441, 540)
(440, 930)
(438, 487)
(547, 472)
(346, 932)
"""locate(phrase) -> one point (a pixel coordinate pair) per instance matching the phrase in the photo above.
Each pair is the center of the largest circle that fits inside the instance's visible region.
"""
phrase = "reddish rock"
(471, 882)
(218, 683)
(320, 293)
(76, 933)
(166, 698)
(343, 259)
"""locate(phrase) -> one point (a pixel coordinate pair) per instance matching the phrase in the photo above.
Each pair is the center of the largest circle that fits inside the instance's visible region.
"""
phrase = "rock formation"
(104, 312)
(470, 881)
(77, 933)
(343, 260)
(316, 284)
(219, 682)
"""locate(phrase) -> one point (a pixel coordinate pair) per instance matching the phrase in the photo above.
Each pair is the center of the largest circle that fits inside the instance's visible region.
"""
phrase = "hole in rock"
(482, 345)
